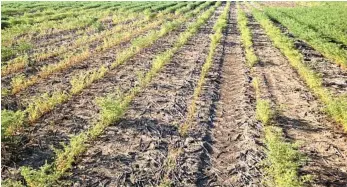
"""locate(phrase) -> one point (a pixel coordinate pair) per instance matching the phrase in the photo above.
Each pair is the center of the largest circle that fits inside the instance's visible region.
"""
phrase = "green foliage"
(10, 122)
(316, 28)
(314, 81)
(215, 39)
(11, 183)
(111, 108)
(7, 53)
(40, 178)
(246, 37)
(98, 26)
(263, 111)
(84, 79)
(282, 162)
(66, 156)
(17, 82)
(44, 103)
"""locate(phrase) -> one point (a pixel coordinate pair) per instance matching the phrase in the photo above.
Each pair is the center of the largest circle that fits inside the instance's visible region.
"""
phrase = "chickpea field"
(173, 93)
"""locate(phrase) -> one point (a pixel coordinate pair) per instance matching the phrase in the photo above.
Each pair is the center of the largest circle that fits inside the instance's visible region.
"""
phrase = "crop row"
(89, 18)
(112, 109)
(174, 153)
(45, 103)
(20, 62)
(246, 37)
(85, 37)
(215, 39)
(282, 160)
(336, 107)
(49, 15)
(19, 82)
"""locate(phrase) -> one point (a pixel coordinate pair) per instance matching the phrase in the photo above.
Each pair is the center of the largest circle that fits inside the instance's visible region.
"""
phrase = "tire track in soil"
(226, 129)
(300, 115)
(333, 76)
(75, 116)
(133, 151)
(61, 80)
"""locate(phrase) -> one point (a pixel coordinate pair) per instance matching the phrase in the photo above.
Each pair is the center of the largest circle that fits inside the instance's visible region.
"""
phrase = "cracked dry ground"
(224, 145)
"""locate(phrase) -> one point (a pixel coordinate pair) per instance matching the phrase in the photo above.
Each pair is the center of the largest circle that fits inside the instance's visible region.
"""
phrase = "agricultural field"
(174, 93)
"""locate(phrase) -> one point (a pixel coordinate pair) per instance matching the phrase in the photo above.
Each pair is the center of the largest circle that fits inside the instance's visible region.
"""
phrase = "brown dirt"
(300, 115)
(133, 151)
(235, 133)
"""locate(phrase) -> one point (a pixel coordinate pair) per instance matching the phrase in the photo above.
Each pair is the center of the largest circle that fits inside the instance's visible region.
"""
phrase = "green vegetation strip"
(16, 40)
(20, 82)
(246, 37)
(20, 62)
(112, 109)
(11, 123)
(331, 50)
(335, 106)
(215, 39)
(174, 153)
(283, 160)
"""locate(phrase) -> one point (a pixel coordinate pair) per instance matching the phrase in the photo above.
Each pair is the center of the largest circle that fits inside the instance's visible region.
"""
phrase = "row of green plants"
(42, 9)
(335, 106)
(27, 31)
(246, 37)
(92, 20)
(316, 39)
(283, 160)
(112, 108)
(20, 62)
(42, 105)
(20, 82)
(24, 33)
(173, 153)
(215, 39)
